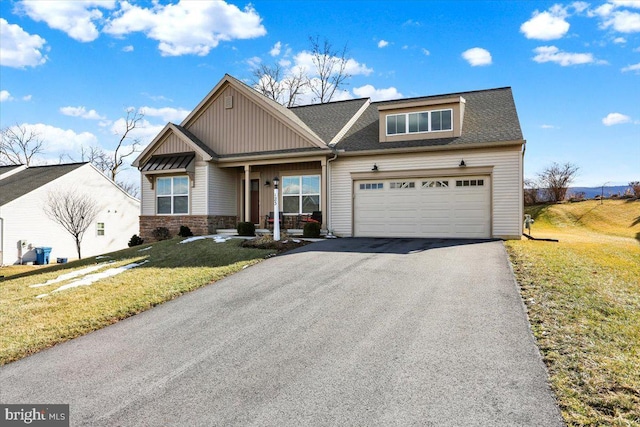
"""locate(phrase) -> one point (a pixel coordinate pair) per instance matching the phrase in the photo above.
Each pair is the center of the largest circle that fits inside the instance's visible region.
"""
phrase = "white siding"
(24, 219)
(148, 197)
(506, 192)
(223, 191)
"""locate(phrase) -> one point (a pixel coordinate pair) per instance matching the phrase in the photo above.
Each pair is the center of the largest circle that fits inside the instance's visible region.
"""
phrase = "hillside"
(612, 217)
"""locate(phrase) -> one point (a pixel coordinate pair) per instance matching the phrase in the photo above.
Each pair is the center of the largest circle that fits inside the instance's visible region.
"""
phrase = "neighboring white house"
(24, 225)
(440, 166)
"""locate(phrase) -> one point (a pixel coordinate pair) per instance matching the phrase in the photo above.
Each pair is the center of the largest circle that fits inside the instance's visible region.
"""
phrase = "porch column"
(247, 193)
(323, 192)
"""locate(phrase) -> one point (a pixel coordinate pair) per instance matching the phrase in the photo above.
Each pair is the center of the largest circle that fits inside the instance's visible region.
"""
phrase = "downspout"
(335, 156)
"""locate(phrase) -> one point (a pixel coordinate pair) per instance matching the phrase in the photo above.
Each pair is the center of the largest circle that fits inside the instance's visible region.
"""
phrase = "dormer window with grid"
(419, 122)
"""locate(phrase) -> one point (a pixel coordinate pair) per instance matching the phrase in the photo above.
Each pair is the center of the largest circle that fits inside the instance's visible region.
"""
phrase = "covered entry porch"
(302, 189)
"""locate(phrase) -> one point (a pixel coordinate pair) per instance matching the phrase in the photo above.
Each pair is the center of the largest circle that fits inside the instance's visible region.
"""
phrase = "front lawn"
(167, 269)
(583, 299)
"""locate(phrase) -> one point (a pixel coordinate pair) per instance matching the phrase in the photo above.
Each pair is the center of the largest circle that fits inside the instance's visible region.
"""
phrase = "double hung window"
(300, 194)
(172, 195)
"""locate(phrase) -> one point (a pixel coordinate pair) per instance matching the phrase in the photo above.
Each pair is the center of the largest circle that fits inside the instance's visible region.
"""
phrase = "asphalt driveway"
(342, 332)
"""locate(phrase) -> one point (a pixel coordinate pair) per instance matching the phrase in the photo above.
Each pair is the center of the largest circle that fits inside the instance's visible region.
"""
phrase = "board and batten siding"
(171, 145)
(226, 130)
(25, 219)
(506, 192)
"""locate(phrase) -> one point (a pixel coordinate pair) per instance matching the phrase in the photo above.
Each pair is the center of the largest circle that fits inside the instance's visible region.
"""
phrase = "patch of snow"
(144, 249)
(296, 241)
(92, 278)
(42, 296)
(103, 256)
(71, 275)
(216, 237)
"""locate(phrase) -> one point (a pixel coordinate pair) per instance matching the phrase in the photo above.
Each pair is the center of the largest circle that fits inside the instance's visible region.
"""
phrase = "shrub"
(635, 187)
(185, 231)
(135, 241)
(311, 229)
(246, 229)
(161, 233)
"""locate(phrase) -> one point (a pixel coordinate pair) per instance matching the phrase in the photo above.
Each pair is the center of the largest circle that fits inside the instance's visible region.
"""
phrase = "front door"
(255, 201)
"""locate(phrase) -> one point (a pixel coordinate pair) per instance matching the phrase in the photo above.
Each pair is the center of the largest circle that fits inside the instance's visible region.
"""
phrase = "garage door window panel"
(404, 185)
(301, 194)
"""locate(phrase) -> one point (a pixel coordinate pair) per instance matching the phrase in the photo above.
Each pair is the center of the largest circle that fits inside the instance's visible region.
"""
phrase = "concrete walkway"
(341, 332)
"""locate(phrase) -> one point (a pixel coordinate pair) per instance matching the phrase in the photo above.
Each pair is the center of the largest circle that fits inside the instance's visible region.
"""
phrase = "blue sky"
(70, 69)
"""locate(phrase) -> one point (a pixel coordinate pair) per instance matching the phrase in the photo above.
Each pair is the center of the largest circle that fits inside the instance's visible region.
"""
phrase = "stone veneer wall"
(200, 225)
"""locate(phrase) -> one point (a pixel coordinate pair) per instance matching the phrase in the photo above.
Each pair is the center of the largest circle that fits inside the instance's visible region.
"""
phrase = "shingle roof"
(490, 116)
(326, 120)
(33, 177)
(8, 168)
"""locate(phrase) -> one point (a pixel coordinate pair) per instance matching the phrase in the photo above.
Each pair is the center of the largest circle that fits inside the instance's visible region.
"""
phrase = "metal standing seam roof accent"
(178, 161)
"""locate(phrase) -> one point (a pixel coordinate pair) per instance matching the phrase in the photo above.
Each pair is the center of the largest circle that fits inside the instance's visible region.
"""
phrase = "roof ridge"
(442, 95)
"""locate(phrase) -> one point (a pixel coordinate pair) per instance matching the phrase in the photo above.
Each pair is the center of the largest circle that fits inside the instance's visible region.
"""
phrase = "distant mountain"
(591, 192)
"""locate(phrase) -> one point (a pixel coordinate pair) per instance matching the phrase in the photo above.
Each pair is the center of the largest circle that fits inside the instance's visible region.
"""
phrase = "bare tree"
(531, 192)
(132, 121)
(555, 180)
(73, 211)
(275, 83)
(19, 145)
(132, 188)
(330, 68)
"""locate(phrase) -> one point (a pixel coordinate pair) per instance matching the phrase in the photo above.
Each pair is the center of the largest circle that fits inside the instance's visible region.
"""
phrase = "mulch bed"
(268, 243)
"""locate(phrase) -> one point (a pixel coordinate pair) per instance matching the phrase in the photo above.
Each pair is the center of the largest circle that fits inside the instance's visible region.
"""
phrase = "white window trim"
(300, 194)
(172, 195)
(98, 229)
(406, 121)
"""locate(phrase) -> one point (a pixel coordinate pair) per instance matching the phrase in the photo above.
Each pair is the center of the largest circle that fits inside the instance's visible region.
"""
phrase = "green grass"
(583, 299)
(30, 324)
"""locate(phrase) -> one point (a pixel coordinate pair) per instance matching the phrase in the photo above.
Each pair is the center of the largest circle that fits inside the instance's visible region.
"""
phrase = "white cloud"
(5, 96)
(553, 54)
(20, 49)
(59, 141)
(580, 6)
(81, 112)
(619, 40)
(368, 91)
(76, 18)
(548, 126)
(27, 98)
(187, 27)
(626, 3)
(623, 21)
(167, 114)
(426, 52)
(127, 48)
(275, 50)
(634, 67)
(304, 60)
(615, 119)
(383, 43)
(547, 25)
(144, 131)
(477, 56)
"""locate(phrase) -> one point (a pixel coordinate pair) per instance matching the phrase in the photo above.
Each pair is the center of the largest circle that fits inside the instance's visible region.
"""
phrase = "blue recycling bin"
(42, 255)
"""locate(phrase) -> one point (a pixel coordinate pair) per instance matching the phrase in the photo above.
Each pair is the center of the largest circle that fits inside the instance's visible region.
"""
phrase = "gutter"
(418, 149)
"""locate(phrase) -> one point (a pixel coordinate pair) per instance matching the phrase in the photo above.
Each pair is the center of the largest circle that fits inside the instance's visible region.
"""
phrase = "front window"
(300, 194)
(172, 195)
(420, 122)
(100, 229)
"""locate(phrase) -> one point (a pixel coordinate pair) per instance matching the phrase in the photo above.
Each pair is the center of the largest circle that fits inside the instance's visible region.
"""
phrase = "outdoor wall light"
(462, 163)
(375, 168)
(267, 183)
(276, 181)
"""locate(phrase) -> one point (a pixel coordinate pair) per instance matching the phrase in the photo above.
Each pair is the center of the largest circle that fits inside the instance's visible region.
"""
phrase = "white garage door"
(456, 207)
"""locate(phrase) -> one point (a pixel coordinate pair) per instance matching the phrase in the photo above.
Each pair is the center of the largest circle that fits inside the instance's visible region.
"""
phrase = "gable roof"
(490, 117)
(190, 139)
(31, 178)
(327, 120)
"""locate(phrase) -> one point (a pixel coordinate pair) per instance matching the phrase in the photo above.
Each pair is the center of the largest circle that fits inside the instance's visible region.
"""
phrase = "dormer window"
(419, 122)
